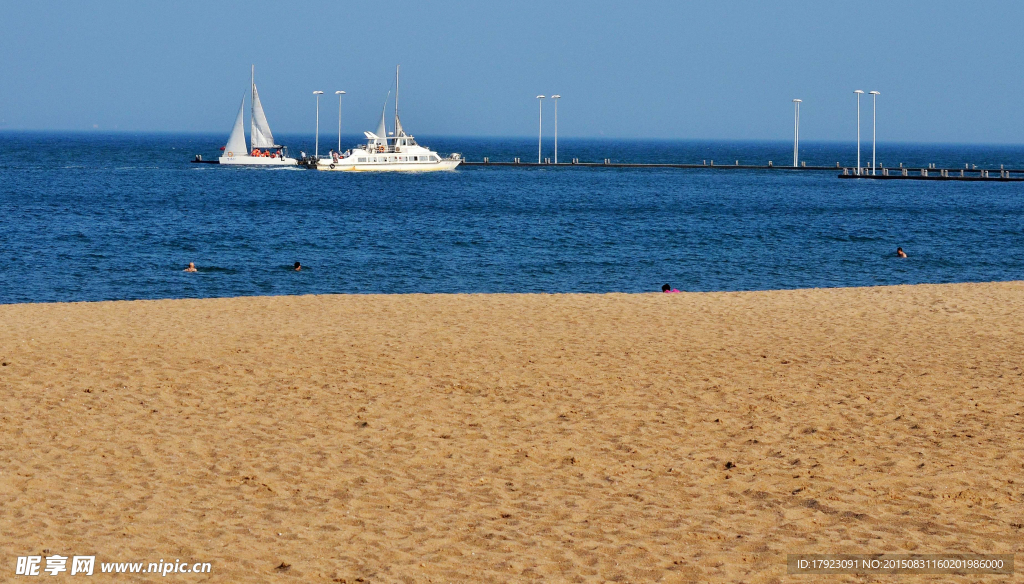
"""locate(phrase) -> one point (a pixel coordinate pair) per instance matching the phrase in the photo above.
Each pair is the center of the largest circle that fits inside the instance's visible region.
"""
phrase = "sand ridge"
(401, 438)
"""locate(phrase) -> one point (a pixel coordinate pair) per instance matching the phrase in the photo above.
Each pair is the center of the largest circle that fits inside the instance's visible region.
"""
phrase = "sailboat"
(263, 152)
(397, 151)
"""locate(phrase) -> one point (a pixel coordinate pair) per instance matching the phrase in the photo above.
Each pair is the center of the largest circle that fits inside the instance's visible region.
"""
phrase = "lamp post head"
(540, 97)
(318, 93)
(555, 96)
(339, 93)
(875, 92)
(858, 91)
(797, 100)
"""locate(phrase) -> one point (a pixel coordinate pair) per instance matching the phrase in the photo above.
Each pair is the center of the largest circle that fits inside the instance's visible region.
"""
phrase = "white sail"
(382, 131)
(236, 141)
(260, 136)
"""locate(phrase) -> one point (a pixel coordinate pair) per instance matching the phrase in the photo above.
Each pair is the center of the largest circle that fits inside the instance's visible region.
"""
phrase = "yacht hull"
(341, 165)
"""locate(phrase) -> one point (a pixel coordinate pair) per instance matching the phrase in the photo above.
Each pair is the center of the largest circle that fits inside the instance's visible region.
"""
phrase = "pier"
(880, 173)
(845, 172)
(961, 174)
(607, 163)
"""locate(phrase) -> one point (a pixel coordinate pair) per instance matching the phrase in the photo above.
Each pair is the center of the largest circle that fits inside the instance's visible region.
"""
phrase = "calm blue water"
(93, 217)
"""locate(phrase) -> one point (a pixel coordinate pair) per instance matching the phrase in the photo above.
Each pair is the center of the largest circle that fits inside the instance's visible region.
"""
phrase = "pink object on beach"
(672, 291)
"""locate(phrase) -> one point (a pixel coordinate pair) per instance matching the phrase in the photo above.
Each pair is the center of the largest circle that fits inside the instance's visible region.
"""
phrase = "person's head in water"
(298, 266)
(900, 253)
(191, 267)
(666, 288)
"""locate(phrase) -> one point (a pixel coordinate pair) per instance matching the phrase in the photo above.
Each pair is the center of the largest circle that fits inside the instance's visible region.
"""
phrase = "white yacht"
(396, 152)
(264, 152)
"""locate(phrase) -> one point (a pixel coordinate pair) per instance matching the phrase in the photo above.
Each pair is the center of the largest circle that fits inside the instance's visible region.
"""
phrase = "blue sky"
(948, 71)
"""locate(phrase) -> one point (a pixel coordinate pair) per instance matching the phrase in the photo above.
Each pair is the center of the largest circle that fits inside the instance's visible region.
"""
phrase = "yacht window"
(362, 160)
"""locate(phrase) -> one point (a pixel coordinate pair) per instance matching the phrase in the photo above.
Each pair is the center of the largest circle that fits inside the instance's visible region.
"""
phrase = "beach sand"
(492, 438)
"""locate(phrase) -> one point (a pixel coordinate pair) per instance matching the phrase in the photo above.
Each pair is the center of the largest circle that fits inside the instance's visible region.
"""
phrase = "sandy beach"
(493, 438)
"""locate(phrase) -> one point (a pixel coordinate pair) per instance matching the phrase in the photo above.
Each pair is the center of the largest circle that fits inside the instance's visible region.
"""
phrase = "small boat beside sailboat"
(263, 151)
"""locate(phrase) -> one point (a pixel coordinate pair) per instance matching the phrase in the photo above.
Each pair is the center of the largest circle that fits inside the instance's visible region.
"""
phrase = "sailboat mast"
(252, 108)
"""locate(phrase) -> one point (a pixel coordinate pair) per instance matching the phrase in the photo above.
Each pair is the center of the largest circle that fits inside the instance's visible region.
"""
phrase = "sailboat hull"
(257, 161)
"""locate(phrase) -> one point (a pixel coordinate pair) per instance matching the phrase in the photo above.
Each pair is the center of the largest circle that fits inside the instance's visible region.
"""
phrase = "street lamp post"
(316, 151)
(858, 92)
(339, 94)
(874, 94)
(796, 131)
(555, 97)
(540, 130)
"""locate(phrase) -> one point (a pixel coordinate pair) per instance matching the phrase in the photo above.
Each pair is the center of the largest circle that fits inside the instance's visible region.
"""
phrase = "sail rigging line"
(384, 113)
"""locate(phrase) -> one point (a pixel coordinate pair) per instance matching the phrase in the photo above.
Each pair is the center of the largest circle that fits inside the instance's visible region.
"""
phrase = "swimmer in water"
(298, 266)
(669, 289)
(191, 267)
(900, 253)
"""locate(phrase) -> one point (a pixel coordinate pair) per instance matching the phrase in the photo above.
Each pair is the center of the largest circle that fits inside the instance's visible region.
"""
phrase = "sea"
(89, 217)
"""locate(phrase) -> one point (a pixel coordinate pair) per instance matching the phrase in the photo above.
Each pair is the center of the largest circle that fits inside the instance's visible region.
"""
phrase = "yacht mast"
(396, 103)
